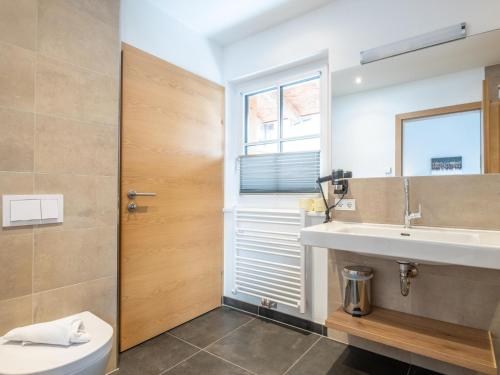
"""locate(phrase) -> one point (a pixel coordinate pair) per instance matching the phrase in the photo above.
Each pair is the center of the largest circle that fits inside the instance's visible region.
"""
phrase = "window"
(282, 138)
(283, 119)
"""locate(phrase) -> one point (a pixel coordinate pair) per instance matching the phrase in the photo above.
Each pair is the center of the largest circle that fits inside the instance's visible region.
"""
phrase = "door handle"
(132, 194)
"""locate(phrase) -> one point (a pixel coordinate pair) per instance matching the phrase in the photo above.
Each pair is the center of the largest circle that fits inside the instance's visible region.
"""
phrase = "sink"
(475, 248)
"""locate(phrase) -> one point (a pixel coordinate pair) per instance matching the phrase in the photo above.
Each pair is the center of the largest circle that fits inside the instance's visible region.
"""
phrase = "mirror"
(434, 111)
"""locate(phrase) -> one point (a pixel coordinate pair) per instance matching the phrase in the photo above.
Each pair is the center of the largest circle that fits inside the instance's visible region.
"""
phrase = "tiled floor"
(227, 341)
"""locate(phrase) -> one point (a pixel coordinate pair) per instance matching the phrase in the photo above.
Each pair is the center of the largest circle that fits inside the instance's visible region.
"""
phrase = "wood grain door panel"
(171, 246)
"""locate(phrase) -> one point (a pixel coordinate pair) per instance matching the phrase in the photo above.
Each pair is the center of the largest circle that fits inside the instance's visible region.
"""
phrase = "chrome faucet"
(409, 216)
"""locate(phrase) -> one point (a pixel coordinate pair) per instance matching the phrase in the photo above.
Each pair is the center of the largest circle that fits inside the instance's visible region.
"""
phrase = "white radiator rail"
(269, 260)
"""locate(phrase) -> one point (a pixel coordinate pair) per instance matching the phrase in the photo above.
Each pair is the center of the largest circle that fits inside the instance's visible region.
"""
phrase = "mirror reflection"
(429, 112)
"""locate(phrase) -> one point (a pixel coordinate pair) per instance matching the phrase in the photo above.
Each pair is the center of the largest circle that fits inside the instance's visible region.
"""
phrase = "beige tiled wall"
(462, 295)
(59, 102)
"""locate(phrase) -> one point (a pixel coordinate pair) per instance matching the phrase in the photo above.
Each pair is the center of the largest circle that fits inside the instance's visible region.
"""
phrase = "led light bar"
(445, 35)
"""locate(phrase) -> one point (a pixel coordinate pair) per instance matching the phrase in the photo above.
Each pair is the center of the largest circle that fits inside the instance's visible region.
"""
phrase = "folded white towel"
(65, 331)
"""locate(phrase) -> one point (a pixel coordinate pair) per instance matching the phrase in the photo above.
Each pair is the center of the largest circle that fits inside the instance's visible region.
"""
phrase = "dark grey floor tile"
(211, 326)
(414, 370)
(328, 357)
(154, 356)
(264, 347)
(206, 364)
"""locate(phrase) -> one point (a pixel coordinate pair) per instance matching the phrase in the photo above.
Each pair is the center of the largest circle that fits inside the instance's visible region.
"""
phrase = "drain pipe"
(407, 270)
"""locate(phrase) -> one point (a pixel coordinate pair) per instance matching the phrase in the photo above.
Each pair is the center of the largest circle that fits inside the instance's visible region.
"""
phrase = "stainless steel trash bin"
(357, 290)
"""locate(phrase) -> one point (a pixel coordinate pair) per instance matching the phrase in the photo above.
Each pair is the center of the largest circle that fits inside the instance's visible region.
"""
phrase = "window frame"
(279, 85)
(235, 114)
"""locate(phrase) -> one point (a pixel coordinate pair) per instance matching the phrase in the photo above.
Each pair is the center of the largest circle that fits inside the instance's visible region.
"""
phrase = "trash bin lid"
(357, 271)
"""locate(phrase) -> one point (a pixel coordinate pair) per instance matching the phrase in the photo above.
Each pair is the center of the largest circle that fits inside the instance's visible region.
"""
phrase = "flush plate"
(33, 209)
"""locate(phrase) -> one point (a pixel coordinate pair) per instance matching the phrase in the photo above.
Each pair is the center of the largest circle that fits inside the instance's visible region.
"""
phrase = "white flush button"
(50, 209)
(26, 209)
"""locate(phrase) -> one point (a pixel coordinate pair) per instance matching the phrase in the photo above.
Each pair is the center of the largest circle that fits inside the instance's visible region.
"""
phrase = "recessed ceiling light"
(358, 80)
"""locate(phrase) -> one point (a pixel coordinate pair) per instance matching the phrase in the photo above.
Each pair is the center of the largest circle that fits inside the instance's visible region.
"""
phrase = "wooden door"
(172, 139)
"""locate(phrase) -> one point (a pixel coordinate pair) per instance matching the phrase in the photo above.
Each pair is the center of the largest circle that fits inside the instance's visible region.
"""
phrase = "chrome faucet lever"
(409, 216)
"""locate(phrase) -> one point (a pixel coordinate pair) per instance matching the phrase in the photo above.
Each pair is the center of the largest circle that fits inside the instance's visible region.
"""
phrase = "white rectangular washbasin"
(475, 248)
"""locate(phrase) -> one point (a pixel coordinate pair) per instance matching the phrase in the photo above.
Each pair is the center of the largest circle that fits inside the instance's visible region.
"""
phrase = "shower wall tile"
(18, 22)
(17, 77)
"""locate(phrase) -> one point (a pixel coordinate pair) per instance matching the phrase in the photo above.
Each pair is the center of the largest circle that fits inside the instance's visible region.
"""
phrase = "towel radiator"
(269, 260)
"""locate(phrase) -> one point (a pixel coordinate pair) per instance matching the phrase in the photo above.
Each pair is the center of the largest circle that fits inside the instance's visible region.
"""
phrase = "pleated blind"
(294, 172)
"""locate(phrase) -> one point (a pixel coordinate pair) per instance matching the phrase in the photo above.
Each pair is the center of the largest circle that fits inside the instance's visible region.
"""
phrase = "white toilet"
(81, 359)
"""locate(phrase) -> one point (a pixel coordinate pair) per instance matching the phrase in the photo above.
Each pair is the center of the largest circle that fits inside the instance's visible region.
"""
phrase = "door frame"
(400, 118)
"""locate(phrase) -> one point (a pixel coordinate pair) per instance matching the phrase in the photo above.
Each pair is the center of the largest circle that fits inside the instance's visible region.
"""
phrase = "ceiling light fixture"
(447, 34)
(358, 80)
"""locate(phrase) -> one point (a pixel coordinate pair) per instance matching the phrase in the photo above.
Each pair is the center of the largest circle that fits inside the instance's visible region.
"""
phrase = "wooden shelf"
(463, 346)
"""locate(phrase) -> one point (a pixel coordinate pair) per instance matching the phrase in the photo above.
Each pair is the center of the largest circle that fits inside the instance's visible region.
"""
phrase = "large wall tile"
(106, 200)
(16, 142)
(66, 90)
(58, 138)
(469, 201)
(378, 200)
(16, 259)
(17, 78)
(15, 313)
(108, 11)
(106, 147)
(481, 305)
(69, 257)
(97, 296)
(437, 297)
(70, 34)
(18, 22)
(438, 366)
(79, 198)
(15, 183)
(458, 201)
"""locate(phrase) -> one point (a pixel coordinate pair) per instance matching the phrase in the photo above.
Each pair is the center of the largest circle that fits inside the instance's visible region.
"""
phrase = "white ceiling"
(227, 21)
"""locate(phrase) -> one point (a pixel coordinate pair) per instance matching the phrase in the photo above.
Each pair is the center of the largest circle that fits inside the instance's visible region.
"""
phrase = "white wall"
(148, 28)
(345, 27)
(363, 123)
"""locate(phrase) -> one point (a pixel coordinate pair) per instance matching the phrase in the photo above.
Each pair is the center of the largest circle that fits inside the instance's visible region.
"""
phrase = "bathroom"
(164, 169)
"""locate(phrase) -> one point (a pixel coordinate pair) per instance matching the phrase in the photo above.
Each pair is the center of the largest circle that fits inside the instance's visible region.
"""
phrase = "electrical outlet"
(345, 204)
